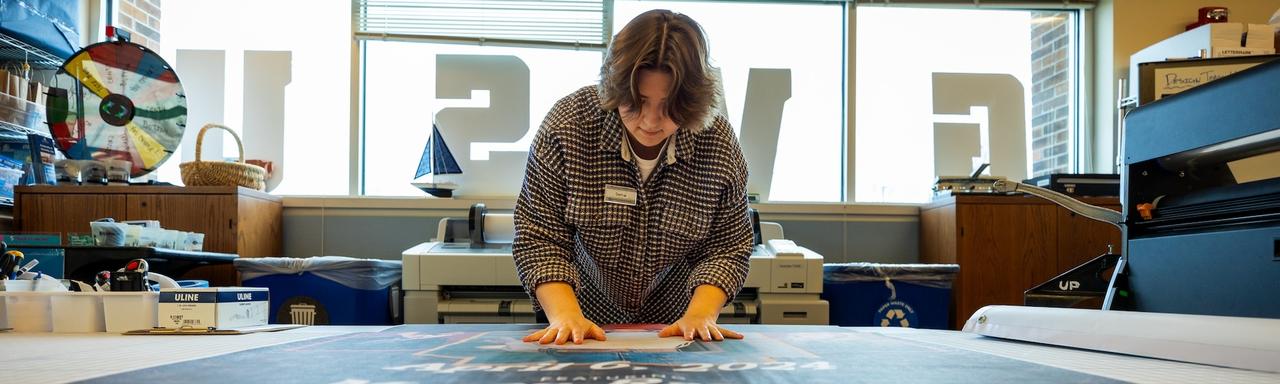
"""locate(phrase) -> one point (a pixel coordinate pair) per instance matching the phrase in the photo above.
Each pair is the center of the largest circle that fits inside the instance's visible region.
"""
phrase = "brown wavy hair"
(672, 43)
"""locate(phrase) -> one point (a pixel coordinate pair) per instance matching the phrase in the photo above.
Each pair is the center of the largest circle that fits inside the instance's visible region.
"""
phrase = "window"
(791, 74)
(270, 72)
(954, 88)
(489, 101)
(951, 89)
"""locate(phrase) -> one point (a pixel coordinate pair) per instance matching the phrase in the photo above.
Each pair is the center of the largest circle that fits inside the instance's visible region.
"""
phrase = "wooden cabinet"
(234, 220)
(1007, 244)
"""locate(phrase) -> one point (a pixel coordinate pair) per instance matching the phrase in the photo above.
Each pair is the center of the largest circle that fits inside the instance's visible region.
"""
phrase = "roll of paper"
(499, 228)
(11, 87)
(20, 87)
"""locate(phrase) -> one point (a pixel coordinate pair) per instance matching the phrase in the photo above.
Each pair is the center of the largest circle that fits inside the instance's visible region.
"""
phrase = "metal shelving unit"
(14, 50)
(18, 117)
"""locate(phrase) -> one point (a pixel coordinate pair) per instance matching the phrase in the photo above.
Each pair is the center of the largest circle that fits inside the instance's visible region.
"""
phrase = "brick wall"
(142, 19)
(1051, 92)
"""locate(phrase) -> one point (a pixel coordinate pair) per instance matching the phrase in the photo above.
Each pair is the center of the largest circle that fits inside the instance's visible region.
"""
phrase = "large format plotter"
(469, 276)
(1202, 200)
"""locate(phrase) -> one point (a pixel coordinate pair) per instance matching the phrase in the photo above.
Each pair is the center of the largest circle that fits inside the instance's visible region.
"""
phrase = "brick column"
(142, 19)
(1051, 92)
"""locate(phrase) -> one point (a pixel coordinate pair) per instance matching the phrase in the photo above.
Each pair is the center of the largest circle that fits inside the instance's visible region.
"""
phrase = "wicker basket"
(216, 173)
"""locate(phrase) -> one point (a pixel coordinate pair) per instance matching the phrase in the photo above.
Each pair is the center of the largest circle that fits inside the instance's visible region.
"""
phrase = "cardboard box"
(220, 308)
(1260, 36)
(1166, 78)
(1208, 41)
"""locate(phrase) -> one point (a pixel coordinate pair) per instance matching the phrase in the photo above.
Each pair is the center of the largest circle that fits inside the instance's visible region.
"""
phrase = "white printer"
(472, 279)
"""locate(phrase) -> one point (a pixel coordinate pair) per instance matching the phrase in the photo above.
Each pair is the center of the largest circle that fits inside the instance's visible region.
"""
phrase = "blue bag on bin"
(889, 295)
(325, 290)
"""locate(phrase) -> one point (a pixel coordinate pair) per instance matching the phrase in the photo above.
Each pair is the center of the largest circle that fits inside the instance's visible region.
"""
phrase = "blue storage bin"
(327, 290)
(889, 295)
(184, 284)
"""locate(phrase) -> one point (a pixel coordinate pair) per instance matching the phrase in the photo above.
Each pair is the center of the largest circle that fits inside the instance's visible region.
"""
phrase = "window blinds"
(994, 4)
(575, 24)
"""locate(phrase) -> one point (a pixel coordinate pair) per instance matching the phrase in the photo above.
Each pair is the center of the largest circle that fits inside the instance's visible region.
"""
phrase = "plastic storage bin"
(129, 311)
(26, 310)
(889, 295)
(77, 312)
(326, 290)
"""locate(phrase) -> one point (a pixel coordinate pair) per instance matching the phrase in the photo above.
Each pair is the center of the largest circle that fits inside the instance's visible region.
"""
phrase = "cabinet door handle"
(144, 204)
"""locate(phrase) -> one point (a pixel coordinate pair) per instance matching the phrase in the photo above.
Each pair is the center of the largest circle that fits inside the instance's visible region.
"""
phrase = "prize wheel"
(117, 101)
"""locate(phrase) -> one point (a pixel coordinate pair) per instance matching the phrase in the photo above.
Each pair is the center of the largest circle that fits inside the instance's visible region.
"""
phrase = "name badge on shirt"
(619, 195)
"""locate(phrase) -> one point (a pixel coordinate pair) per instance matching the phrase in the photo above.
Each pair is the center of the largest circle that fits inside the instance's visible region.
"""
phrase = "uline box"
(219, 308)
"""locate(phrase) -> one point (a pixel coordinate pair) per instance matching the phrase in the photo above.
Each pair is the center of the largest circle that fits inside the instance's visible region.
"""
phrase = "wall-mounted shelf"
(14, 50)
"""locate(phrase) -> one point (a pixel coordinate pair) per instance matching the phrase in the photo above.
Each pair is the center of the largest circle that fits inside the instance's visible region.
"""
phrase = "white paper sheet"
(620, 341)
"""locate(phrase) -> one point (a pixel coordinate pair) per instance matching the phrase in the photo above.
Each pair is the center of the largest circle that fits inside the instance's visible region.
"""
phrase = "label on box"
(1169, 81)
(1240, 51)
(220, 308)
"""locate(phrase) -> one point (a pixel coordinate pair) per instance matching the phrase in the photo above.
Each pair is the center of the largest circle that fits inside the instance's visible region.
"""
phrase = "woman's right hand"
(567, 322)
(568, 327)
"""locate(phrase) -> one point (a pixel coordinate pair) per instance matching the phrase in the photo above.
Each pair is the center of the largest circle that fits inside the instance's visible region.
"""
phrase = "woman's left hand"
(697, 325)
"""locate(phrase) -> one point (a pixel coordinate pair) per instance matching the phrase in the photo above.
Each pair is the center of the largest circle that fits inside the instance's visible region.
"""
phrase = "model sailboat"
(438, 165)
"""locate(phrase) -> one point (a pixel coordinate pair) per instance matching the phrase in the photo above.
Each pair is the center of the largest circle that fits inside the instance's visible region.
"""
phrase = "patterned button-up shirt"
(631, 263)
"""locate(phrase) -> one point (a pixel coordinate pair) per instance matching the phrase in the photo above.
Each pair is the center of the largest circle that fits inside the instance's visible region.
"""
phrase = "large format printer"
(1201, 193)
(469, 276)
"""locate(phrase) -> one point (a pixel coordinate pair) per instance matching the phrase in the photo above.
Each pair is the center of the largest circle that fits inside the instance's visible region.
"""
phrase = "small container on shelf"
(9, 178)
(21, 116)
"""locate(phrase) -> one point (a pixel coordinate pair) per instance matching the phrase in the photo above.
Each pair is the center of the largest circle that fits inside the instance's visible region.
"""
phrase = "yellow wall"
(1124, 27)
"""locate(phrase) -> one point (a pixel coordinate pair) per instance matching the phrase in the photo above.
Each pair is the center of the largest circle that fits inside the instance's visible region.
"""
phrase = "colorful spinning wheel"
(117, 100)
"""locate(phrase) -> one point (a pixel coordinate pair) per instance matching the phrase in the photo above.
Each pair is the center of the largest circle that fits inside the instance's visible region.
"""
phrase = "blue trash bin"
(326, 290)
(889, 295)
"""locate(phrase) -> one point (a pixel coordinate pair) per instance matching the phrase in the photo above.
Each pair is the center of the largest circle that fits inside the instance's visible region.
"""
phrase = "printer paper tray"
(1244, 204)
(475, 311)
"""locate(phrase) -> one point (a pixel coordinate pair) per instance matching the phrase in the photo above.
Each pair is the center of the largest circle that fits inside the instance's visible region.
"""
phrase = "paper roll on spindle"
(499, 228)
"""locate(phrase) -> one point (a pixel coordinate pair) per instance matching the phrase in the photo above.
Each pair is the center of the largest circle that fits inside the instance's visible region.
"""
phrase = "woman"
(633, 208)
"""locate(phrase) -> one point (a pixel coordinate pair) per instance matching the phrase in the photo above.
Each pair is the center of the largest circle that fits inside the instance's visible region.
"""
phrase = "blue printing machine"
(1211, 242)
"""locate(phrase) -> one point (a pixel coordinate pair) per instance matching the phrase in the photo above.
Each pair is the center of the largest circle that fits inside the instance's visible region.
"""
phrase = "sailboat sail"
(436, 157)
(424, 164)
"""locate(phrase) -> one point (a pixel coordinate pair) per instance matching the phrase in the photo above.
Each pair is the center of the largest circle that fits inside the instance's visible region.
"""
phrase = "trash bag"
(929, 275)
(367, 274)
